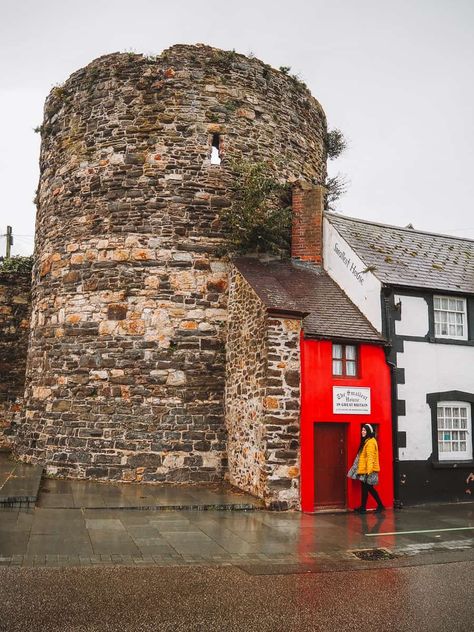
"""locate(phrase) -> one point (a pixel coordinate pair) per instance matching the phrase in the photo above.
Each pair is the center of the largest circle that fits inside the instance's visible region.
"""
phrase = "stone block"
(176, 378)
(60, 406)
(292, 378)
(116, 311)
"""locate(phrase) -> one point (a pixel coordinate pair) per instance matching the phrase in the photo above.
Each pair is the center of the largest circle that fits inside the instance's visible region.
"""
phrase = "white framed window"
(450, 317)
(344, 360)
(454, 428)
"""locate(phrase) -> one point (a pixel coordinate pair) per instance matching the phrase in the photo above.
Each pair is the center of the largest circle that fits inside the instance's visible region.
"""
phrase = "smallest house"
(304, 370)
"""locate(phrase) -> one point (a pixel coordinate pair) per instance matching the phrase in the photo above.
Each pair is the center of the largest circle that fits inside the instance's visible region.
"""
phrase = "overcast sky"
(395, 76)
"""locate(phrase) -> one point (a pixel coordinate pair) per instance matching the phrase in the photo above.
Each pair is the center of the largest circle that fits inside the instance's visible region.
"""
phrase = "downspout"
(390, 353)
(397, 503)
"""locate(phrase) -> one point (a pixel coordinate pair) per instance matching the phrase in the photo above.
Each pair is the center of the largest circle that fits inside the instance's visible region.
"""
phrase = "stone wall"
(246, 374)
(14, 327)
(262, 399)
(126, 359)
(282, 413)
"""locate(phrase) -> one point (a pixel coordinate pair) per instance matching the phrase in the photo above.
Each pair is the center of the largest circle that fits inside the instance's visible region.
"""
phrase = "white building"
(417, 289)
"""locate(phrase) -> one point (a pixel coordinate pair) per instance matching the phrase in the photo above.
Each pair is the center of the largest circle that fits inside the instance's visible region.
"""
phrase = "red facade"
(322, 445)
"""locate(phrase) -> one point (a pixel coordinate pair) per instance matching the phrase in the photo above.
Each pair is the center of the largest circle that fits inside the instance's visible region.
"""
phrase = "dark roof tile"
(307, 291)
(408, 257)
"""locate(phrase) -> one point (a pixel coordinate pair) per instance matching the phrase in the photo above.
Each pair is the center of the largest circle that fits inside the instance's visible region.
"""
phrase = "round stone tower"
(126, 356)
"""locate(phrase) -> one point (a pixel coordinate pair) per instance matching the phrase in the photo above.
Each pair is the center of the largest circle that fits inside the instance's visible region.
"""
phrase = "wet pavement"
(70, 494)
(86, 523)
(19, 483)
(82, 537)
(22, 484)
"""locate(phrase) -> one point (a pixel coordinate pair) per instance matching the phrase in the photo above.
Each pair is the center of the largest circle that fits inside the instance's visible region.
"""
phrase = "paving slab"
(19, 482)
(76, 494)
(13, 543)
(50, 545)
(110, 543)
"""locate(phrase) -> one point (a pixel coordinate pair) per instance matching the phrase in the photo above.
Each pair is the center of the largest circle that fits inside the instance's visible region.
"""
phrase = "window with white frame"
(454, 425)
(450, 317)
(344, 360)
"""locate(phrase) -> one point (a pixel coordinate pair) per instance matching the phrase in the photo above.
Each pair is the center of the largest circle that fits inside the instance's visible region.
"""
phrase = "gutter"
(293, 314)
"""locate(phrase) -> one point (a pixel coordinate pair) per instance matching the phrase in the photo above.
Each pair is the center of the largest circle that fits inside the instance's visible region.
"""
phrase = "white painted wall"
(414, 316)
(429, 368)
(347, 269)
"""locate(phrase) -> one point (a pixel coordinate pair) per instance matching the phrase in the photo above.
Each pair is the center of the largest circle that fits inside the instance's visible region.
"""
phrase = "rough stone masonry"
(262, 398)
(14, 326)
(125, 373)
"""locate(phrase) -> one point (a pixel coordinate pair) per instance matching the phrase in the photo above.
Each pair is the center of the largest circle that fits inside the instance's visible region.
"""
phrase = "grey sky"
(396, 77)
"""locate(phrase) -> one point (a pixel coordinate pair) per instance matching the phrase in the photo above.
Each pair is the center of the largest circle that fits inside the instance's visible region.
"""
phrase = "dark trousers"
(369, 489)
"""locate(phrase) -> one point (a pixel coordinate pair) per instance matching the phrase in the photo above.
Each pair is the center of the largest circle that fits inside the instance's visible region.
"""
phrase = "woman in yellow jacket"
(368, 468)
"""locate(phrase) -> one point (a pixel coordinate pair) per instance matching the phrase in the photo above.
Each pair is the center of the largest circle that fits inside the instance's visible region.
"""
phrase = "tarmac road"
(429, 598)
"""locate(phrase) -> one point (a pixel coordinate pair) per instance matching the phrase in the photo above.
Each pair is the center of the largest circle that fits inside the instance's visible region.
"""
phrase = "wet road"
(431, 597)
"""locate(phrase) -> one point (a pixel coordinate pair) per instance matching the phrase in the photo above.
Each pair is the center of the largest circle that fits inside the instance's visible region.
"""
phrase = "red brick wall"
(307, 224)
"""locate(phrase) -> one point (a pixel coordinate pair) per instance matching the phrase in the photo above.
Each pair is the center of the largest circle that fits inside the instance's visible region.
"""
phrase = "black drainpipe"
(397, 503)
(391, 356)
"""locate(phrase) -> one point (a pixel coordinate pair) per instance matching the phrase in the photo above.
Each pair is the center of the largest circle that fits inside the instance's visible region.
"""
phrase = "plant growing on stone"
(17, 264)
(59, 95)
(224, 58)
(299, 83)
(336, 143)
(59, 91)
(232, 105)
(260, 218)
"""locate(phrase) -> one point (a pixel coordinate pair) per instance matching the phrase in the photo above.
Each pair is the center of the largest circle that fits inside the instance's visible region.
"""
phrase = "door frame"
(344, 427)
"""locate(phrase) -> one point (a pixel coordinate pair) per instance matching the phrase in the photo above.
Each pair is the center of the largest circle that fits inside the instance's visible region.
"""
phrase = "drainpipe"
(387, 326)
(397, 503)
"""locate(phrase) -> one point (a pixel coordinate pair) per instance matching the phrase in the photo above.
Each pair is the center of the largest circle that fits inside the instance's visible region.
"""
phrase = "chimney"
(307, 222)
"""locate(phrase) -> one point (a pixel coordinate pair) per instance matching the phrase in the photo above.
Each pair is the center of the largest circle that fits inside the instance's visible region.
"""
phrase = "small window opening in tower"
(215, 153)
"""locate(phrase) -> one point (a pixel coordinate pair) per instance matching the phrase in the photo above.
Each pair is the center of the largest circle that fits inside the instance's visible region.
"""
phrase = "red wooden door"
(330, 465)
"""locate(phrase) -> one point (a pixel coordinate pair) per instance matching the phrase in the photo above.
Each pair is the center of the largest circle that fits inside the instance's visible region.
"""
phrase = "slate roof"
(408, 257)
(307, 291)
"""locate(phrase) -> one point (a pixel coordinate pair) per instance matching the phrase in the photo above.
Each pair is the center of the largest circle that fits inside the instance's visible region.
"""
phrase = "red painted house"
(338, 395)
(305, 370)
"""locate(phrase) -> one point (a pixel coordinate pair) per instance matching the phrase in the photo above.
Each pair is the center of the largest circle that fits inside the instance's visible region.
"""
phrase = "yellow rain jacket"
(369, 458)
